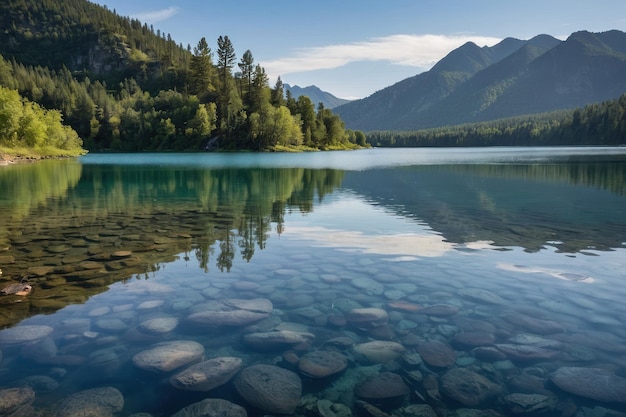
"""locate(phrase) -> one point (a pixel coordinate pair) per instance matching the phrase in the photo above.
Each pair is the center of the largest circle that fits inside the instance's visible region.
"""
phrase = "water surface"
(512, 259)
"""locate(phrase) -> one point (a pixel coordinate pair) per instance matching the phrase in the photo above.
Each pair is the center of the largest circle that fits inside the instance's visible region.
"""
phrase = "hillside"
(90, 40)
(512, 78)
(316, 95)
(124, 86)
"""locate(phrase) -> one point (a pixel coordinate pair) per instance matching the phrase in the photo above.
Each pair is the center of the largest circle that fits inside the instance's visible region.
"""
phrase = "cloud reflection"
(404, 246)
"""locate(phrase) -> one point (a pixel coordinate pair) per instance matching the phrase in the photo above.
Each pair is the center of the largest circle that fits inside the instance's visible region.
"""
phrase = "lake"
(402, 282)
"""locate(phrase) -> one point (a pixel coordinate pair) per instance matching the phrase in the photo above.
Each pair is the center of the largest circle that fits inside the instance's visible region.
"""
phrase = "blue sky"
(353, 48)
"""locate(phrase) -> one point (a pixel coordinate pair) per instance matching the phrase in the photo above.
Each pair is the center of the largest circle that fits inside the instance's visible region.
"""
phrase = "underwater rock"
(270, 388)
(205, 376)
(100, 402)
(212, 407)
(168, 356)
(277, 339)
(12, 400)
(379, 351)
(159, 325)
(529, 403)
(440, 310)
(534, 325)
(385, 385)
(368, 285)
(259, 305)
(326, 408)
(437, 354)
(595, 383)
(526, 352)
(226, 318)
(322, 363)
(39, 383)
(481, 295)
(23, 334)
(367, 317)
(110, 325)
(488, 354)
(467, 387)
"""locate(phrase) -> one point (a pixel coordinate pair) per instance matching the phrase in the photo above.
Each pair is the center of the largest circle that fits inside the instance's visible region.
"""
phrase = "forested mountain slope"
(125, 86)
(512, 78)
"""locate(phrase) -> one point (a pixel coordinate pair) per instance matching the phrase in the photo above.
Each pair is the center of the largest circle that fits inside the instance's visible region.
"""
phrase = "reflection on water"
(369, 283)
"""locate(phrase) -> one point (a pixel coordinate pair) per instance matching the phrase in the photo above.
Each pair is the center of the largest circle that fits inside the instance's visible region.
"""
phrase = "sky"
(353, 48)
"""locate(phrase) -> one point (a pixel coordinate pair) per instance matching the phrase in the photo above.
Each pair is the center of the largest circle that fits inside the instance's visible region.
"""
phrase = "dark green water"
(490, 276)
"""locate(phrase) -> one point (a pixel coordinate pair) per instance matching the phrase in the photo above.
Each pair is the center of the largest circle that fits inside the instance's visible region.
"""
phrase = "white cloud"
(157, 15)
(421, 51)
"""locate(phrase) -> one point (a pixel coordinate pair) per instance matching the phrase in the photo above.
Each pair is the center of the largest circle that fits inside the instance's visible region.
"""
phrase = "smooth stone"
(520, 403)
(149, 305)
(385, 385)
(111, 325)
(488, 354)
(534, 325)
(404, 306)
(367, 317)
(98, 402)
(326, 408)
(379, 351)
(160, 325)
(260, 305)
(44, 348)
(437, 354)
(24, 334)
(212, 407)
(226, 318)
(482, 295)
(440, 310)
(531, 339)
(100, 311)
(168, 356)
(595, 383)
(39, 383)
(277, 339)
(14, 399)
(270, 388)
(322, 363)
(467, 387)
(205, 376)
(526, 352)
(368, 285)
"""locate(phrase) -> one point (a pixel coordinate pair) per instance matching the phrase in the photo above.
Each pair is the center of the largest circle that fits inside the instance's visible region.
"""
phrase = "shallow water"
(512, 259)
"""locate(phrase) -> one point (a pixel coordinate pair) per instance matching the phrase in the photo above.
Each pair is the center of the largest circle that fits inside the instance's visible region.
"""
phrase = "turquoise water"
(500, 268)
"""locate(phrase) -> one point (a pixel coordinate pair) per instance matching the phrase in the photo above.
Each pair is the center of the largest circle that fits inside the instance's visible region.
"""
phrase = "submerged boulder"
(595, 383)
(205, 376)
(168, 356)
(270, 388)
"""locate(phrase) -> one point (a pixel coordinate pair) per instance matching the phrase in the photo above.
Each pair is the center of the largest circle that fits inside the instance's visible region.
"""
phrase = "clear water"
(524, 246)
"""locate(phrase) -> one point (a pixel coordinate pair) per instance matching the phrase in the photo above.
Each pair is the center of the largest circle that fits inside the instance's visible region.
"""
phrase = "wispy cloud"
(157, 15)
(420, 51)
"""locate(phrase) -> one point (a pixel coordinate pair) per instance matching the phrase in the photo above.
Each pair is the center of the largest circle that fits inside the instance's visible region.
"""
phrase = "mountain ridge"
(316, 95)
(515, 77)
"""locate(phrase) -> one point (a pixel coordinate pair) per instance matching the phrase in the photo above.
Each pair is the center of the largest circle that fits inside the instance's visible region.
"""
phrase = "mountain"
(89, 39)
(514, 77)
(316, 95)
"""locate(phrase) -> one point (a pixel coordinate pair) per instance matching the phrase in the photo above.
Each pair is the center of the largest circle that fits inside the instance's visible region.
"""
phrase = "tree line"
(596, 124)
(25, 125)
(216, 108)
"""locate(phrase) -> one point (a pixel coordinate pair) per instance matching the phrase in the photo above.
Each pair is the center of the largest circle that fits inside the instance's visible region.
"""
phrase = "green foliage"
(596, 124)
(123, 87)
(25, 125)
